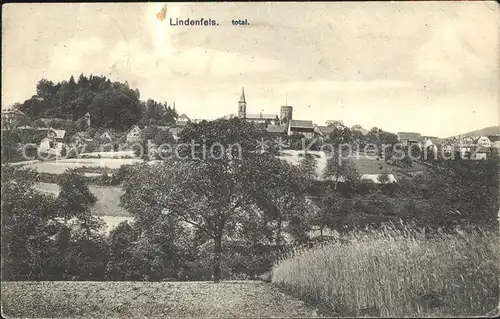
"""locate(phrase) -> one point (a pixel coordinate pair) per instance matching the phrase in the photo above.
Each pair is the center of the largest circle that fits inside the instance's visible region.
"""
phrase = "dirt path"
(235, 299)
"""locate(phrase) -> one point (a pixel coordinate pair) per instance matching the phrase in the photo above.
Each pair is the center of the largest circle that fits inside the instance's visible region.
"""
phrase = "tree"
(383, 178)
(28, 222)
(111, 105)
(469, 189)
(340, 135)
(10, 141)
(341, 170)
(362, 211)
(307, 168)
(75, 201)
(296, 140)
(121, 253)
(163, 137)
(84, 255)
(329, 214)
(197, 194)
(335, 123)
(358, 136)
(281, 196)
(116, 109)
(64, 152)
(207, 193)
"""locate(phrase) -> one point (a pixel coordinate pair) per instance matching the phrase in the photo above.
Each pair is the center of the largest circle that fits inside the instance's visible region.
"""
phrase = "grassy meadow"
(61, 165)
(393, 273)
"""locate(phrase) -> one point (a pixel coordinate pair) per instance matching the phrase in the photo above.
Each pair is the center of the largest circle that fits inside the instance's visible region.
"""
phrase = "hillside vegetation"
(111, 105)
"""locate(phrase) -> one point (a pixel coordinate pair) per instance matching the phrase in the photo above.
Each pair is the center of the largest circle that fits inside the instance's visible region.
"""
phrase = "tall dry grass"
(394, 273)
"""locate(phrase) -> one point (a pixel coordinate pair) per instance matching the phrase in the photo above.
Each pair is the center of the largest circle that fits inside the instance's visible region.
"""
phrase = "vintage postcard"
(266, 159)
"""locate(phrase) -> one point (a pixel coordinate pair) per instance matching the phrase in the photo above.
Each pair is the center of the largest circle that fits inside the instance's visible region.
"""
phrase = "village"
(284, 126)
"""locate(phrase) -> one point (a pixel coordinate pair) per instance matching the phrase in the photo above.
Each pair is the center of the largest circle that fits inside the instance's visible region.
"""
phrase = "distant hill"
(112, 105)
(492, 130)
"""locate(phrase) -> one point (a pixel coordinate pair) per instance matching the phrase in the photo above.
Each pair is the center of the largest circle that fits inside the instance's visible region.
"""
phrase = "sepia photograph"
(250, 160)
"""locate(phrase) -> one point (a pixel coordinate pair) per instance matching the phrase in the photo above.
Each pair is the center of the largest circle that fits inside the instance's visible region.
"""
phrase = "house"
(432, 138)
(12, 118)
(447, 147)
(495, 140)
(483, 141)
(359, 128)
(277, 130)
(305, 128)
(107, 136)
(463, 150)
(53, 143)
(263, 118)
(175, 132)
(467, 140)
(134, 134)
(409, 138)
(182, 120)
(80, 138)
(431, 145)
(335, 123)
(480, 153)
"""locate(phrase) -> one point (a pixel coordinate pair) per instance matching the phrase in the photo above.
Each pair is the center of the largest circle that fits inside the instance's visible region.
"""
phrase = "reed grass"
(398, 273)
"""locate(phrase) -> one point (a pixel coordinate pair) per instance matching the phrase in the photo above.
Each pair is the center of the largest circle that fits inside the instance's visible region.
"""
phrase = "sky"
(429, 67)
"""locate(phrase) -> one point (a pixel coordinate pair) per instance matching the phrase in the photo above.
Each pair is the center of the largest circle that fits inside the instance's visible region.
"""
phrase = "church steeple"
(242, 105)
(242, 98)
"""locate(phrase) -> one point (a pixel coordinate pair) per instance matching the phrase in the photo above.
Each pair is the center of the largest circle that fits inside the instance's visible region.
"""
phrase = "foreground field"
(142, 299)
(398, 274)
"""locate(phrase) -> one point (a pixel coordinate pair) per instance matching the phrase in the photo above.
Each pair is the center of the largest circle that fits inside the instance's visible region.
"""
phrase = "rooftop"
(301, 124)
(56, 133)
(494, 138)
(411, 136)
(276, 128)
(261, 116)
(326, 129)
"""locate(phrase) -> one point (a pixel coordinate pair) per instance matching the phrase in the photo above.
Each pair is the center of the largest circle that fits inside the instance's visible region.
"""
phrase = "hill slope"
(491, 130)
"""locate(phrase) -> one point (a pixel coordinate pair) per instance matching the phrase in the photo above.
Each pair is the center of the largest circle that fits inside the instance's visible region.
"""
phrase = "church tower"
(242, 105)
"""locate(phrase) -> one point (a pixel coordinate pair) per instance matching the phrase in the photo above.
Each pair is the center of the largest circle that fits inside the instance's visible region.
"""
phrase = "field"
(398, 274)
(108, 198)
(148, 299)
(107, 206)
(367, 166)
(59, 166)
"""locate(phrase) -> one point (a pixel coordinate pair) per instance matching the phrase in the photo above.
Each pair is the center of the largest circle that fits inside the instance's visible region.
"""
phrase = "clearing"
(108, 198)
(229, 299)
(107, 206)
(59, 166)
